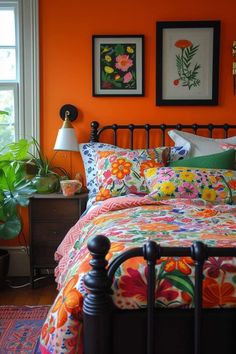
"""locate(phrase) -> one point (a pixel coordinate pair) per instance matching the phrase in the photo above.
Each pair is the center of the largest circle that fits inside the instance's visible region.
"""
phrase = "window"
(19, 92)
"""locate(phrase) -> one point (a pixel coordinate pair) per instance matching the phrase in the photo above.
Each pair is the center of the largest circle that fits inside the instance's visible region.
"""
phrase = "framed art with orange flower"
(187, 63)
(118, 65)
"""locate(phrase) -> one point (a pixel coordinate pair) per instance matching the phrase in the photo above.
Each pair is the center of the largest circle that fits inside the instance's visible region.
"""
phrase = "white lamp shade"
(66, 140)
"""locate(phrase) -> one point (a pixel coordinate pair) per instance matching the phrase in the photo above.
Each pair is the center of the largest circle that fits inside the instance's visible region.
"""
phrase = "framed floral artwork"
(187, 59)
(118, 65)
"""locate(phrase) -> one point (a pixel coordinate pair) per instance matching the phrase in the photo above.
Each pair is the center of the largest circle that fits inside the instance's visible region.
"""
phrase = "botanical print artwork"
(118, 66)
(187, 69)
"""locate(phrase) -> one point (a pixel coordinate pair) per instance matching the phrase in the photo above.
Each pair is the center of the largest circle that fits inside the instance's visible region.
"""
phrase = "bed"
(151, 273)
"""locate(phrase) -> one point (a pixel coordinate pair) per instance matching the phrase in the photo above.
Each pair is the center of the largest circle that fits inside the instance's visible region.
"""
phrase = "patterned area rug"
(20, 327)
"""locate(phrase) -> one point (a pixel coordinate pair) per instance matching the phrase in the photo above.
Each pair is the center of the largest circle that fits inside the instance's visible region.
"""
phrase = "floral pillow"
(88, 152)
(122, 172)
(216, 186)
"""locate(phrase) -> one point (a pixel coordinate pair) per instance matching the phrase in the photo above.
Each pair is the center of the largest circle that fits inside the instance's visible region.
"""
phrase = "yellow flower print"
(117, 76)
(229, 173)
(150, 172)
(209, 194)
(108, 69)
(187, 176)
(129, 49)
(167, 188)
(107, 58)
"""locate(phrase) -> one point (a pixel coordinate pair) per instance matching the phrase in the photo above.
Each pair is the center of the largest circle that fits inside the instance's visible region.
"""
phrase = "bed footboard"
(99, 310)
(98, 306)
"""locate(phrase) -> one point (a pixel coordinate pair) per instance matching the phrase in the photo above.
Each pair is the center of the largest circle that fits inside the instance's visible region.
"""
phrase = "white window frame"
(27, 123)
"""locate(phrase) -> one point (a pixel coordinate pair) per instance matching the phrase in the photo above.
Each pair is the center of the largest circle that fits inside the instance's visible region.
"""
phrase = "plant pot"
(46, 184)
(4, 266)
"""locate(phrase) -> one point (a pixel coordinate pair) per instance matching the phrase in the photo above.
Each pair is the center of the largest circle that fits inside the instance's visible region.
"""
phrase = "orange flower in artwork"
(69, 302)
(121, 168)
(103, 194)
(215, 294)
(183, 43)
(148, 164)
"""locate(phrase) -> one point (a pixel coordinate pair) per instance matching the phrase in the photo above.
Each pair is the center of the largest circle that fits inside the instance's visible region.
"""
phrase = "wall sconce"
(234, 66)
(66, 138)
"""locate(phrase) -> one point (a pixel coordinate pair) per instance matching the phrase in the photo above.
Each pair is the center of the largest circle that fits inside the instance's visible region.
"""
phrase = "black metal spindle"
(147, 129)
(131, 129)
(151, 252)
(199, 254)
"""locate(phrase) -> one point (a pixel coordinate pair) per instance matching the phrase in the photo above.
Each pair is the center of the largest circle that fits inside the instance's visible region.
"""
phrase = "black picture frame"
(118, 80)
(187, 63)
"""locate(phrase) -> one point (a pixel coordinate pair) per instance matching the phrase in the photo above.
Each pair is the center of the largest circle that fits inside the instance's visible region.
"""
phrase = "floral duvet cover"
(171, 223)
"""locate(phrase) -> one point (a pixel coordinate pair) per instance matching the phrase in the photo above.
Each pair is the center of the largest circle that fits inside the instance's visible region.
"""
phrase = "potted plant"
(15, 191)
(46, 180)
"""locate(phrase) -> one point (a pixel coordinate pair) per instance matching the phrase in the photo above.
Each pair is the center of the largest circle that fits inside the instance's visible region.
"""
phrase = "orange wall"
(66, 29)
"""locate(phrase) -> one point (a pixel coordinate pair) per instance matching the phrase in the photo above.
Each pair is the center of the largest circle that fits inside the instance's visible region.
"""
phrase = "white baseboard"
(19, 261)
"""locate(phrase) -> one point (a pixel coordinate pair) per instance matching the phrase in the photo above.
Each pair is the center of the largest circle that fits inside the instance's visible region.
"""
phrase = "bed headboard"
(96, 131)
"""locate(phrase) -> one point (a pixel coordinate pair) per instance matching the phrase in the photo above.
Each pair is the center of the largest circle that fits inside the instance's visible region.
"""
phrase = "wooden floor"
(43, 294)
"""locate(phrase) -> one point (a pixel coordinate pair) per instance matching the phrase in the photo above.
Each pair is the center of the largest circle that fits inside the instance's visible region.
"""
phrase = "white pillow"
(200, 145)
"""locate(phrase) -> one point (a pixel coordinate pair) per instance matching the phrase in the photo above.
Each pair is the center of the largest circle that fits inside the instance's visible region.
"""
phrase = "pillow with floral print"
(122, 172)
(88, 152)
(216, 186)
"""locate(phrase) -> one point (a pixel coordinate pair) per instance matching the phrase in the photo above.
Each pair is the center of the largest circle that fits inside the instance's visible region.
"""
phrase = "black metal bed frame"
(108, 330)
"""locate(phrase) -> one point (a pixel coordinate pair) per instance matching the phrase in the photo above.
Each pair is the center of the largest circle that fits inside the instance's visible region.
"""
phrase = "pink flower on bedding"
(166, 174)
(187, 190)
(107, 174)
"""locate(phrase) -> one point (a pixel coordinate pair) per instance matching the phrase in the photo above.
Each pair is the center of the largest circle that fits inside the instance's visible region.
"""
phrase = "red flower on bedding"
(164, 291)
(133, 285)
(232, 184)
(69, 302)
(47, 330)
(183, 264)
(215, 264)
(215, 294)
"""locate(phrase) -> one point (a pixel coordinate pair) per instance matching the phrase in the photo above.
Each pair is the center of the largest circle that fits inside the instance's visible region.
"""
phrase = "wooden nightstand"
(51, 216)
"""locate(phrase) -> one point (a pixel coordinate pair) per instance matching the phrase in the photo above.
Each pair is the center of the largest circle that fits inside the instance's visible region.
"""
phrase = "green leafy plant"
(15, 189)
(43, 164)
(47, 177)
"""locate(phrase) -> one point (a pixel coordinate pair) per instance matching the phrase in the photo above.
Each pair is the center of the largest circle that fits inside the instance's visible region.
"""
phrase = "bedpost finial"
(94, 131)
(99, 245)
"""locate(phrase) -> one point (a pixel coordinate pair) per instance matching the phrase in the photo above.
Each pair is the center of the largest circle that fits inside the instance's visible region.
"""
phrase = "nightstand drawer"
(44, 257)
(51, 217)
(59, 209)
(49, 234)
